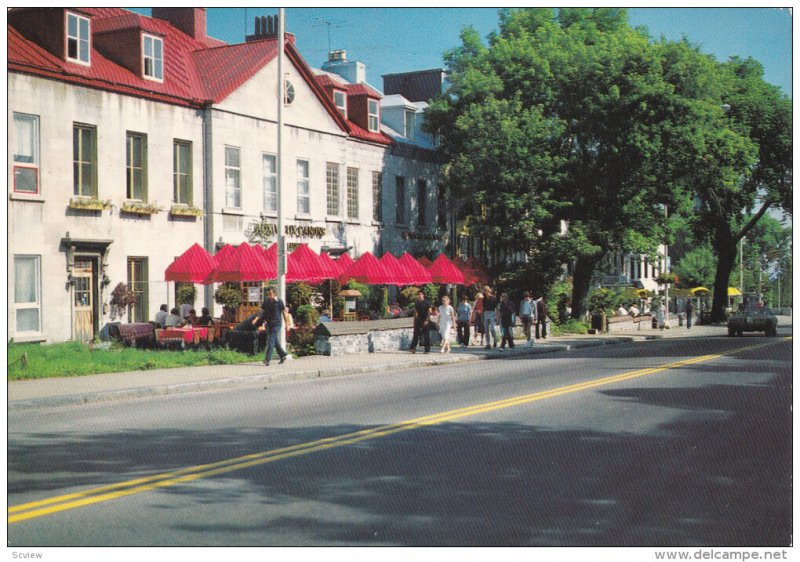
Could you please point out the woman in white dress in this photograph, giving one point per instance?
(447, 319)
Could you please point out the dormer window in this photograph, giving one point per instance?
(410, 124)
(374, 117)
(78, 39)
(340, 100)
(152, 58)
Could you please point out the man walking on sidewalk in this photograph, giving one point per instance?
(489, 316)
(689, 314)
(422, 311)
(541, 317)
(273, 311)
(464, 313)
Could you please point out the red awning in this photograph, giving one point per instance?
(306, 266)
(344, 261)
(442, 270)
(246, 263)
(223, 253)
(192, 266)
(368, 270)
(332, 266)
(426, 263)
(471, 276)
(418, 273)
(400, 276)
(479, 270)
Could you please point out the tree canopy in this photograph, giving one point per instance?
(572, 115)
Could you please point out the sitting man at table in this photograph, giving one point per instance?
(173, 320)
(205, 318)
(161, 315)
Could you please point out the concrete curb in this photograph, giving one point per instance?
(267, 378)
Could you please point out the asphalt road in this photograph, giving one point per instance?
(661, 443)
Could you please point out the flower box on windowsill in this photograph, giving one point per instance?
(135, 208)
(185, 211)
(87, 204)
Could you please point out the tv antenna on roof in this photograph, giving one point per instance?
(330, 25)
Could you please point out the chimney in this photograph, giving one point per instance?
(354, 72)
(266, 28)
(192, 21)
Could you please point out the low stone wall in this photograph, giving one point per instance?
(344, 338)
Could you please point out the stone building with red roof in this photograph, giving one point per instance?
(133, 137)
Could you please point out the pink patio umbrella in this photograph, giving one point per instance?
(442, 270)
(331, 265)
(368, 270)
(246, 263)
(400, 276)
(426, 263)
(418, 274)
(306, 266)
(344, 261)
(480, 271)
(192, 266)
(223, 253)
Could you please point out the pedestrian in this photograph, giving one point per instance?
(527, 312)
(689, 314)
(541, 317)
(489, 316)
(422, 313)
(463, 316)
(507, 312)
(477, 316)
(273, 316)
(447, 319)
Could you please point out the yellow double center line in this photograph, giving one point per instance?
(65, 502)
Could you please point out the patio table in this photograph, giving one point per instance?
(188, 334)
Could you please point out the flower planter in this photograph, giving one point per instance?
(139, 209)
(89, 204)
(182, 211)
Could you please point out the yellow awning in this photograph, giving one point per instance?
(734, 292)
(699, 291)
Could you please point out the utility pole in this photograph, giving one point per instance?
(666, 270)
(279, 165)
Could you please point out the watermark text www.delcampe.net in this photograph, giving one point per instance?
(711, 554)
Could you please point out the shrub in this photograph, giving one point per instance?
(407, 297)
(228, 295)
(431, 291)
(298, 294)
(306, 315)
(302, 340)
(570, 327)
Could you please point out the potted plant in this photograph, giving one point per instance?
(601, 302)
(122, 298)
(229, 295)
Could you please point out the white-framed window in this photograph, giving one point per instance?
(233, 178)
(270, 183)
(182, 171)
(78, 39)
(332, 188)
(27, 294)
(303, 188)
(152, 57)
(340, 100)
(26, 153)
(410, 123)
(352, 193)
(374, 116)
(136, 166)
(377, 196)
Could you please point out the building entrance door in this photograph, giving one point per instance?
(84, 305)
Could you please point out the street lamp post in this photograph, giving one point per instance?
(279, 169)
(666, 270)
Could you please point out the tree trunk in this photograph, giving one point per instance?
(727, 259)
(581, 279)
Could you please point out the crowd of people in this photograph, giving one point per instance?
(479, 321)
(183, 316)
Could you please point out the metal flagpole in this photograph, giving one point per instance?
(280, 237)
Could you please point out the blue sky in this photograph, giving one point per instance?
(390, 40)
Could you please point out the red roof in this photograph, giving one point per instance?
(194, 72)
(192, 266)
(442, 270)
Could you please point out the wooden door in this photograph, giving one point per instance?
(83, 299)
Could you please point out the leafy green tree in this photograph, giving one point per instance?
(696, 268)
(564, 116)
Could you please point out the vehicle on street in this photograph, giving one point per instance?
(753, 316)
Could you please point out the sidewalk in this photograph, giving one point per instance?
(61, 391)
